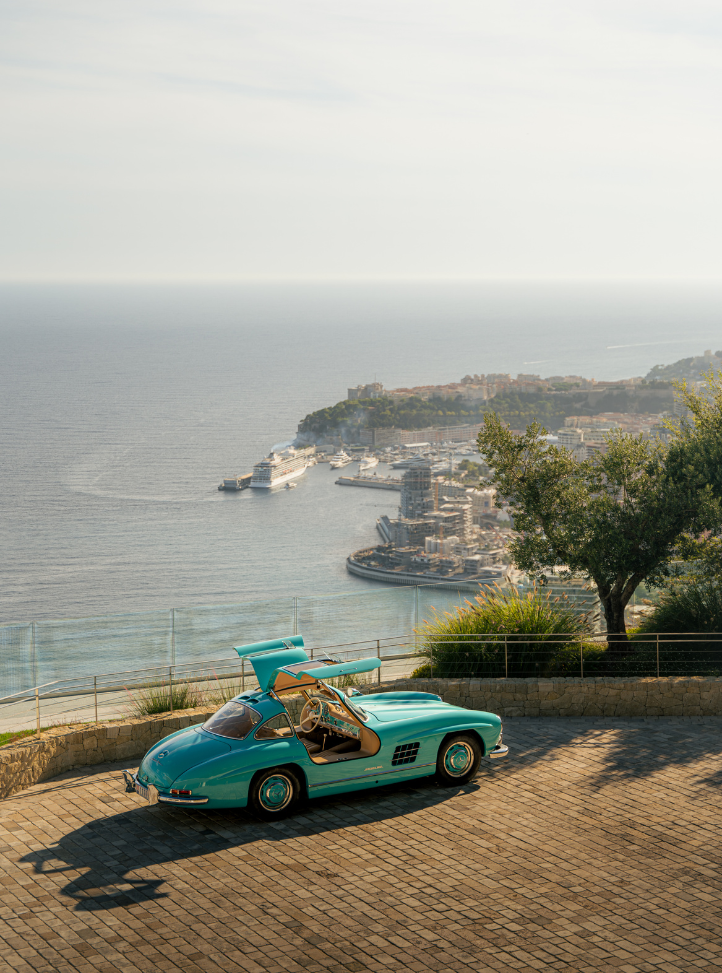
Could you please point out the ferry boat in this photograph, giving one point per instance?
(278, 468)
(340, 459)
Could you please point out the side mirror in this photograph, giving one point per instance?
(354, 692)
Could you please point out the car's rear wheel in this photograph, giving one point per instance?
(458, 760)
(274, 793)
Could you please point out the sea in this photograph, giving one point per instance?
(123, 405)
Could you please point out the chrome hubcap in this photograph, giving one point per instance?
(459, 757)
(276, 792)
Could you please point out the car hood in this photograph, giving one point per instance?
(174, 756)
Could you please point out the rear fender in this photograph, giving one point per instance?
(232, 773)
(298, 770)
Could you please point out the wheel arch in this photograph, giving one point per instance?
(288, 765)
(469, 730)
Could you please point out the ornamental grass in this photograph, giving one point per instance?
(502, 633)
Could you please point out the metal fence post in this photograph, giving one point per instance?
(243, 675)
(33, 656)
(506, 659)
(431, 651)
(170, 680)
(37, 708)
(657, 655)
(295, 615)
(95, 695)
(581, 656)
(172, 636)
(416, 607)
(378, 656)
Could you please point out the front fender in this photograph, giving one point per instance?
(487, 733)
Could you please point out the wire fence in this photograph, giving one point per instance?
(520, 656)
(133, 692)
(165, 689)
(38, 652)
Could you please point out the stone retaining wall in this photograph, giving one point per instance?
(597, 696)
(65, 748)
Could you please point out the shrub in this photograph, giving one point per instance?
(150, 700)
(692, 607)
(501, 632)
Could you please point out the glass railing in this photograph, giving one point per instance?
(35, 653)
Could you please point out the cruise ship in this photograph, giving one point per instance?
(278, 468)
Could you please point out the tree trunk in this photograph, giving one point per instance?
(613, 605)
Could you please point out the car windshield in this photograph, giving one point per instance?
(233, 720)
(356, 710)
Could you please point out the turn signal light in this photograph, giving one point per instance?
(181, 793)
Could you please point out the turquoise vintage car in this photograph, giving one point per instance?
(250, 753)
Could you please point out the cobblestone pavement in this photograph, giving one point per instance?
(597, 846)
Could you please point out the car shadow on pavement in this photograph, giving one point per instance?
(107, 851)
(101, 856)
(618, 749)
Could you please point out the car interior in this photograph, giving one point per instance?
(330, 729)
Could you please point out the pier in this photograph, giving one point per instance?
(375, 482)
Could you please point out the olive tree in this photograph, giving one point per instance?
(696, 451)
(615, 518)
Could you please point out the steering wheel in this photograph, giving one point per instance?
(310, 715)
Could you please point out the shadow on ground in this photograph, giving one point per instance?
(108, 850)
(624, 749)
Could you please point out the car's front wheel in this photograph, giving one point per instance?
(274, 793)
(458, 760)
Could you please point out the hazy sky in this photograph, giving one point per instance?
(463, 138)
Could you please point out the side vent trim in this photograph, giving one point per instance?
(406, 753)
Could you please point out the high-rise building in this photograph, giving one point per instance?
(416, 498)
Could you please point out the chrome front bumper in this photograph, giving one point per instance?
(499, 751)
(152, 795)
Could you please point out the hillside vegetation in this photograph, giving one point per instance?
(413, 413)
(689, 369)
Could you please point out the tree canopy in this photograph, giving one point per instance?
(615, 518)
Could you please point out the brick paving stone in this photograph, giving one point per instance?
(596, 847)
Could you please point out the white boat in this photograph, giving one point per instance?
(411, 464)
(368, 463)
(340, 459)
(291, 486)
(278, 468)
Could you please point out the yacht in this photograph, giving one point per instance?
(411, 464)
(340, 459)
(368, 463)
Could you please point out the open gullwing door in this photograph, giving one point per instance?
(267, 657)
(299, 675)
